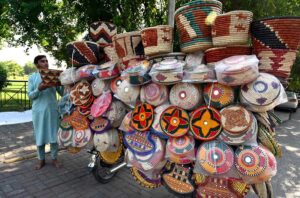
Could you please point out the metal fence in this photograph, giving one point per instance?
(14, 96)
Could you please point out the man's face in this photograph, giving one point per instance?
(42, 63)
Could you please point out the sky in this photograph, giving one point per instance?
(18, 55)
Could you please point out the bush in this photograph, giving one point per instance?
(295, 76)
(3, 77)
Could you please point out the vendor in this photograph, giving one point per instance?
(45, 115)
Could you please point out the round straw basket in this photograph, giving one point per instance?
(194, 33)
(231, 28)
(157, 40)
(216, 54)
(276, 33)
(278, 62)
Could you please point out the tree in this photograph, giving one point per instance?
(3, 77)
(12, 68)
(29, 68)
(52, 24)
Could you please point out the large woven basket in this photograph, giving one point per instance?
(231, 28)
(157, 40)
(83, 53)
(277, 62)
(216, 54)
(101, 32)
(276, 33)
(128, 46)
(190, 19)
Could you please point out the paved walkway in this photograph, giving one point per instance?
(18, 179)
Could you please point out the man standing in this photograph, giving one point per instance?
(45, 115)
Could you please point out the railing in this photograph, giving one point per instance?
(14, 96)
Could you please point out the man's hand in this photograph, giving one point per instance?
(42, 87)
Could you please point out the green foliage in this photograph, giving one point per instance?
(12, 68)
(3, 77)
(295, 77)
(52, 24)
(5, 25)
(29, 68)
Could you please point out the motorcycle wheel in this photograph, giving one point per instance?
(102, 173)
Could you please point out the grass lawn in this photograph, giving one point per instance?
(14, 96)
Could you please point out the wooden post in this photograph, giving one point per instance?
(171, 10)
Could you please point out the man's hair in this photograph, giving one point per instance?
(37, 58)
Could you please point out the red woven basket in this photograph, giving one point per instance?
(157, 40)
(231, 28)
(277, 62)
(276, 33)
(216, 54)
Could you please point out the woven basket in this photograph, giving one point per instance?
(190, 19)
(216, 54)
(276, 33)
(157, 40)
(128, 46)
(83, 53)
(50, 77)
(277, 62)
(101, 32)
(231, 28)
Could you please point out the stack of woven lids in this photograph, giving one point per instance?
(94, 116)
(275, 42)
(193, 120)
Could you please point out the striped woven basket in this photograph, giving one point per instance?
(83, 53)
(277, 62)
(128, 46)
(190, 19)
(101, 32)
(216, 54)
(231, 28)
(276, 33)
(157, 40)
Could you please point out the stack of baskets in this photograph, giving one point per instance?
(275, 42)
(171, 126)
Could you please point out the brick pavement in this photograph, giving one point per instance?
(73, 180)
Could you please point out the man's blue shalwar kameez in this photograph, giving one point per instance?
(45, 115)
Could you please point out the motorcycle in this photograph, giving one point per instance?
(102, 171)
